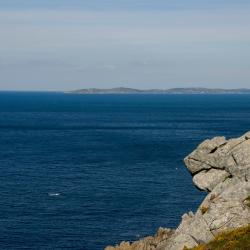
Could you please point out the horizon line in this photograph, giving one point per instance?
(121, 87)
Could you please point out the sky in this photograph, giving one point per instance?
(74, 44)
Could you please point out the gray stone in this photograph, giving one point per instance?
(207, 180)
(178, 242)
(196, 227)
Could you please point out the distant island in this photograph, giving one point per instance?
(122, 90)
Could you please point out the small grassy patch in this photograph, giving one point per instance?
(204, 209)
(247, 201)
(238, 239)
(212, 197)
(227, 177)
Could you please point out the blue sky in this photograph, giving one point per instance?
(121, 4)
(71, 44)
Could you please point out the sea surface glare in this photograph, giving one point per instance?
(86, 171)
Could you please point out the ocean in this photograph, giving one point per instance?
(86, 171)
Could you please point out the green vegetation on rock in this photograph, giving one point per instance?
(247, 201)
(204, 209)
(238, 239)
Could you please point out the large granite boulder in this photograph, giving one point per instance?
(233, 156)
(222, 168)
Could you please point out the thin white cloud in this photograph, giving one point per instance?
(135, 46)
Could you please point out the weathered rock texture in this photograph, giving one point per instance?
(222, 168)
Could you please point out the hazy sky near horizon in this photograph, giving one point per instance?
(71, 44)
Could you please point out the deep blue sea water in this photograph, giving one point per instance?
(85, 171)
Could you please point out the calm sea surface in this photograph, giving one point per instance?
(85, 171)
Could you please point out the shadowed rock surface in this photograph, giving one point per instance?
(222, 168)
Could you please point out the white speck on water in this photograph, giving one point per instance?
(54, 194)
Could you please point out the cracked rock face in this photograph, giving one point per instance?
(222, 168)
(215, 160)
(208, 179)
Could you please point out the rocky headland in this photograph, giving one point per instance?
(220, 167)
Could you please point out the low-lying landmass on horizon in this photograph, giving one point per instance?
(122, 90)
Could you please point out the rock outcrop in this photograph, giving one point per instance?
(222, 168)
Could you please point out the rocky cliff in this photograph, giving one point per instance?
(222, 168)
